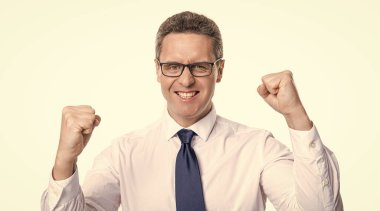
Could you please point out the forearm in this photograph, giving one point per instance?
(298, 120)
(316, 173)
(63, 169)
(67, 193)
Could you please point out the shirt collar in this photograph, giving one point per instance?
(202, 128)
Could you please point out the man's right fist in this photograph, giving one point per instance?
(77, 125)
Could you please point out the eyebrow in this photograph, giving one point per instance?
(176, 62)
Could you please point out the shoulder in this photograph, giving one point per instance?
(232, 132)
(257, 140)
(139, 135)
(236, 128)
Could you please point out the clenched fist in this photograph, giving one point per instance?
(279, 91)
(78, 123)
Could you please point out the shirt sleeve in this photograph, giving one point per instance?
(307, 179)
(100, 190)
(63, 194)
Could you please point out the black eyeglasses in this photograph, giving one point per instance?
(199, 69)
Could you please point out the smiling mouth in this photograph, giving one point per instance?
(186, 95)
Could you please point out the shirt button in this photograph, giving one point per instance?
(312, 145)
(325, 182)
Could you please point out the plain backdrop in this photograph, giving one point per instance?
(57, 53)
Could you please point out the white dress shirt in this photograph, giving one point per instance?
(240, 168)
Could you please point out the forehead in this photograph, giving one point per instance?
(187, 46)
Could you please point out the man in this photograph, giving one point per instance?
(193, 159)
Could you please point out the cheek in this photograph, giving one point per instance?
(209, 86)
(164, 91)
(165, 84)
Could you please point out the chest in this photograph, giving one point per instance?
(230, 178)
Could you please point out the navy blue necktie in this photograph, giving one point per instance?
(188, 185)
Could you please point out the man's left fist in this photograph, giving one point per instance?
(279, 91)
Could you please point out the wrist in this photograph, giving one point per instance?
(63, 167)
(299, 120)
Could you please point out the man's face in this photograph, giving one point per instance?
(188, 97)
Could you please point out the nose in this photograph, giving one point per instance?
(186, 79)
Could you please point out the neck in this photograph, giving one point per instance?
(188, 121)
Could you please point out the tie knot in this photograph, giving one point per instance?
(185, 135)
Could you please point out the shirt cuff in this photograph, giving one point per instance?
(306, 144)
(63, 191)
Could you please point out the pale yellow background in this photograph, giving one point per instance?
(57, 53)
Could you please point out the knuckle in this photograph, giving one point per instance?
(264, 78)
(88, 122)
(288, 72)
(70, 123)
(66, 109)
(88, 108)
(66, 115)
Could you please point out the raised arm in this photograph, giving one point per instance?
(77, 125)
(308, 179)
(64, 191)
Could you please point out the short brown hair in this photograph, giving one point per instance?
(190, 22)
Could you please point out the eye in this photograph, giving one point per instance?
(201, 67)
(172, 67)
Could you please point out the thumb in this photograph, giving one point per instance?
(95, 124)
(267, 96)
(97, 120)
(263, 91)
(88, 133)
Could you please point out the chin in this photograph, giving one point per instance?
(189, 114)
(194, 113)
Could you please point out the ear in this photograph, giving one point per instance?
(220, 69)
(158, 72)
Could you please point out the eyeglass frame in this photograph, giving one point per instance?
(188, 66)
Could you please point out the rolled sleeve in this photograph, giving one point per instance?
(316, 162)
(63, 191)
(306, 144)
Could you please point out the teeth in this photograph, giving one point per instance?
(186, 95)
